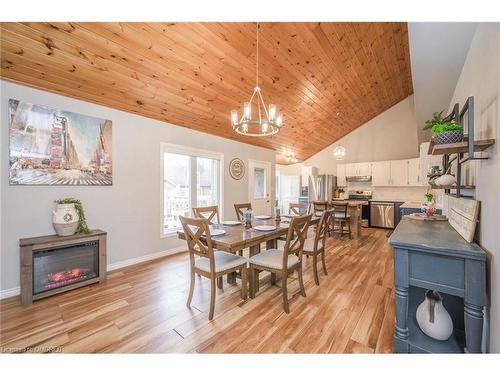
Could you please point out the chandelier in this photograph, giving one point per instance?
(339, 153)
(268, 121)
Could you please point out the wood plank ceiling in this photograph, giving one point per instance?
(326, 78)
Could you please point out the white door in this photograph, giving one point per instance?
(399, 172)
(381, 173)
(414, 172)
(259, 189)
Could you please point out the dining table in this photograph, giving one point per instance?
(239, 237)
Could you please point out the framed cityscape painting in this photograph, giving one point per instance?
(55, 147)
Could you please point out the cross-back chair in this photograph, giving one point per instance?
(204, 261)
(240, 209)
(296, 208)
(283, 262)
(316, 247)
(319, 207)
(341, 217)
(207, 213)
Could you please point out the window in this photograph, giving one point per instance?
(259, 183)
(190, 178)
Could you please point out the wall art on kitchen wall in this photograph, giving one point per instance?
(56, 147)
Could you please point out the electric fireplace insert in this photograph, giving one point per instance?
(53, 264)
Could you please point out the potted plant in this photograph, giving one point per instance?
(428, 207)
(69, 217)
(444, 131)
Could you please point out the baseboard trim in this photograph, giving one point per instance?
(145, 258)
(12, 292)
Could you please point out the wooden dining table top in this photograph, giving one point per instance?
(237, 237)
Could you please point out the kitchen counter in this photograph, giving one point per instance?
(411, 204)
(351, 202)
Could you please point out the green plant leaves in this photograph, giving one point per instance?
(438, 125)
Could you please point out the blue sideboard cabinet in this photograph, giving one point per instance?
(432, 255)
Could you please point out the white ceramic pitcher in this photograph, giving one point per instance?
(65, 219)
(433, 318)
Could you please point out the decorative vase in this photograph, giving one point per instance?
(450, 136)
(432, 317)
(428, 208)
(65, 219)
(446, 180)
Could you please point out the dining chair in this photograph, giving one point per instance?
(282, 262)
(241, 208)
(296, 208)
(206, 262)
(319, 207)
(316, 246)
(341, 216)
(207, 213)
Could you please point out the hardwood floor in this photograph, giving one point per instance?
(142, 309)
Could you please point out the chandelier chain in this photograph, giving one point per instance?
(257, 56)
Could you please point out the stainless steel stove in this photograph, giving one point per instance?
(362, 195)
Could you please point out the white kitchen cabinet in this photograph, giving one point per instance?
(341, 175)
(414, 172)
(358, 169)
(399, 173)
(351, 169)
(364, 169)
(305, 173)
(381, 173)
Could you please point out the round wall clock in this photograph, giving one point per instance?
(237, 169)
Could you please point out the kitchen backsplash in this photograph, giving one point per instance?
(396, 193)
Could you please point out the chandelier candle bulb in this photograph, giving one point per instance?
(279, 120)
(272, 111)
(248, 110)
(234, 117)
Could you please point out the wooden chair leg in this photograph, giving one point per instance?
(349, 228)
(301, 281)
(273, 278)
(244, 282)
(256, 282)
(251, 281)
(212, 299)
(191, 289)
(284, 291)
(323, 261)
(219, 282)
(341, 228)
(315, 268)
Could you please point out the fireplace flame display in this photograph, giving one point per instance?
(58, 279)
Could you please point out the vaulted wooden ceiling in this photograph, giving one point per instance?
(326, 78)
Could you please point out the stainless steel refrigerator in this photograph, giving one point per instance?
(321, 187)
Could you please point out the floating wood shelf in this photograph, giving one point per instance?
(453, 148)
(452, 186)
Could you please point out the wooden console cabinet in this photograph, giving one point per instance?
(432, 255)
(31, 246)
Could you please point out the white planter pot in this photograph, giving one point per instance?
(433, 318)
(65, 219)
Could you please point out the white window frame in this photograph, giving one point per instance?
(194, 152)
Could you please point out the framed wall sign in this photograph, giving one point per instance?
(237, 168)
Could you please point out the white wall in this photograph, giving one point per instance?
(480, 78)
(130, 209)
(391, 135)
